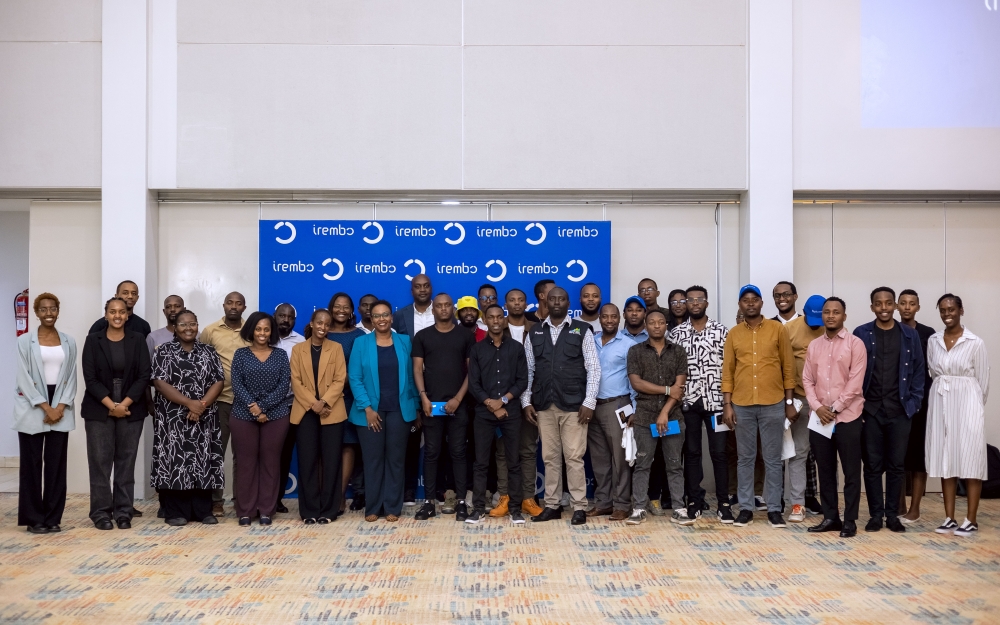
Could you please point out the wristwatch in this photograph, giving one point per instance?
(788, 402)
(504, 400)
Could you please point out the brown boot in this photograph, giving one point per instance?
(531, 507)
(501, 509)
(619, 515)
(599, 512)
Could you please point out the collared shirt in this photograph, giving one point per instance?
(290, 341)
(614, 365)
(157, 338)
(834, 374)
(361, 326)
(704, 356)
(638, 338)
(800, 335)
(590, 361)
(786, 321)
(495, 371)
(661, 369)
(422, 320)
(757, 364)
(226, 341)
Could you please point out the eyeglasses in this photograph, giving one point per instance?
(381, 315)
(678, 301)
(648, 289)
(48, 309)
(487, 298)
(786, 295)
(697, 300)
(182, 326)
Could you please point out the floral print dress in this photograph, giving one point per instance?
(186, 454)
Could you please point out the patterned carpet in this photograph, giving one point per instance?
(441, 571)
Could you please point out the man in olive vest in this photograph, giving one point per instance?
(564, 373)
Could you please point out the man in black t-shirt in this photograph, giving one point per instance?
(440, 370)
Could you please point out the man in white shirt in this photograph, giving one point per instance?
(365, 311)
(590, 306)
(415, 317)
(785, 295)
(284, 319)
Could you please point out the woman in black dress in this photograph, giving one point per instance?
(187, 441)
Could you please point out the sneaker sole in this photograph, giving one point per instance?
(516, 522)
(685, 522)
(727, 521)
(473, 522)
(965, 534)
(791, 520)
(747, 524)
(941, 531)
(777, 525)
(630, 522)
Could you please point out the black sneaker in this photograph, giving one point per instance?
(409, 498)
(813, 506)
(476, 517)
(425, 512)
(725, 514)
(516, 518)
(461, 511)
(948, 526)
(966, 529)
(775, 519)
(744, 519)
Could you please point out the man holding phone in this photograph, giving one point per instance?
(440, 366)
(657, 371)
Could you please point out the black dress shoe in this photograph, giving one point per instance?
(827, 525)
(136, 512)
(850, 529)
(210, 520)
(548, 514)
(53, 528)
(323, 520)
(124, 524)
(309, 521)
(177, 522)
(161, 514)
(358, 503)
(265, 520)
(281, 508)
(104, 524)
(873, 525)
(895, 525)
(579, 518)
(38, 529)
(244, 521)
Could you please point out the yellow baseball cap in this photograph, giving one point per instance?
(466, 302)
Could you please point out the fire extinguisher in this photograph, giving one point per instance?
(21, 312)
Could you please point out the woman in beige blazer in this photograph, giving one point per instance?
(319, 373)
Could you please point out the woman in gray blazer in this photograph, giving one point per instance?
(43, 417)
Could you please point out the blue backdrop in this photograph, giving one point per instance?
(304, 262)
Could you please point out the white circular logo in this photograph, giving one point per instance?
(340, 268)
(290, 226)
(540, 227)
(461, 232)
(377, 225)
(582, 275)
(503, 270)
(412, 261)
(295, 484)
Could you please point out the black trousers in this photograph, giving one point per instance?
(286, 459)
(320, 464)
(884, 445)
(845, 442)
(193, 505)
(435, 428)
(41, 497)
(486, 427)
(385, 456)
(694, 417)
(411, 466)
(112, 447)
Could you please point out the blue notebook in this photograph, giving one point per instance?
(673, 427)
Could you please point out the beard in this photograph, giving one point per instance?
(591, 311)
(697, 317)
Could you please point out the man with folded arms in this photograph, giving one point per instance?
(833, 376)
(758, 380)
(612, 474)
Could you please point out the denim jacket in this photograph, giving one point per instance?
(912, 368)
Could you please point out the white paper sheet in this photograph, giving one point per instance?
(787, 443)
(718, 424)
(817, 426)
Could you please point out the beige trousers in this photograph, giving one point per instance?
(563, 435)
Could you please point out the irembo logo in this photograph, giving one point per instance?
(582, 275)
(296, 267)
(415, 231)
(496, 232)
(461, 269)
(418, 263)
(461, 232)
(340, 268)
(290, 226)
(577, 233)
(539, 240)
(543, 269)
(377, 226)
(333, 231)
(376, 268)
(503, 270)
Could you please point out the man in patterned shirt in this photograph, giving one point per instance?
(703, 339)
(564, 373)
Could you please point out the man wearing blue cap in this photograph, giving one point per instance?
(758, 383)
(801, 332)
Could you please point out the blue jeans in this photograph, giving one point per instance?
(770, 422)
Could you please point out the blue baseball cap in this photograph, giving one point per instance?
(749, 288)
(635, 298)
(813, 310)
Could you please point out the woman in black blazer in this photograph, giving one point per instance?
(116, 371)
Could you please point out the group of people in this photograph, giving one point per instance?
(482, 385)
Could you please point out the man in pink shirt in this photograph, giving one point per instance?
(833, 379)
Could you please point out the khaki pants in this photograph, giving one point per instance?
(563, 435)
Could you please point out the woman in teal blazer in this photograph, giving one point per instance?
(385, 402)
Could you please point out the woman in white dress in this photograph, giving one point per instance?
(956, 428)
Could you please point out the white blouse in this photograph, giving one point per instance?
(52, 361)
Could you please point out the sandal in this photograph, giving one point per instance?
(392, 518)
(371, 518)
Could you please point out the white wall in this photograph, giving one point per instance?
(849, 249)
(833, 151)
(449, 95)
(65, 259)
(50, 112)
(13, 280)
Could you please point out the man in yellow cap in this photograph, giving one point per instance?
(467, 309)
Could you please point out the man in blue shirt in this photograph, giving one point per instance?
(613, 489)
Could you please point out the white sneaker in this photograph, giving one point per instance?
(948, 526)
(968, 528)
(798, 514)
(638, 516)
(680, 517)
